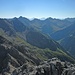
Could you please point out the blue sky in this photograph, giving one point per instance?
(37, 8)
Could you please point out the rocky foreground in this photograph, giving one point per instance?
(51, 67)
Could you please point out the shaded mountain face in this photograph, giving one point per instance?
(17, 25)
(25, 21)
(41, 41)
(69, 44)
(64, 33)
(66, 38)
(7, 27)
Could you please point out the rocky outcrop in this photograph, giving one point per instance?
(11, 58)
(51, 67)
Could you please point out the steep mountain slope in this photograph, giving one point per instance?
(25, 21)
(11, 57)
(69, 44)
(66, 37)
(14, 56)
(64, 33)
(7, 27)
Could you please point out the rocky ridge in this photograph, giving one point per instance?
(51, 67)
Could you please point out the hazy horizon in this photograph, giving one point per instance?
(42, 18)
(60, 9)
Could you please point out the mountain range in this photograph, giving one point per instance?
(24, 41)
(61, 30)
